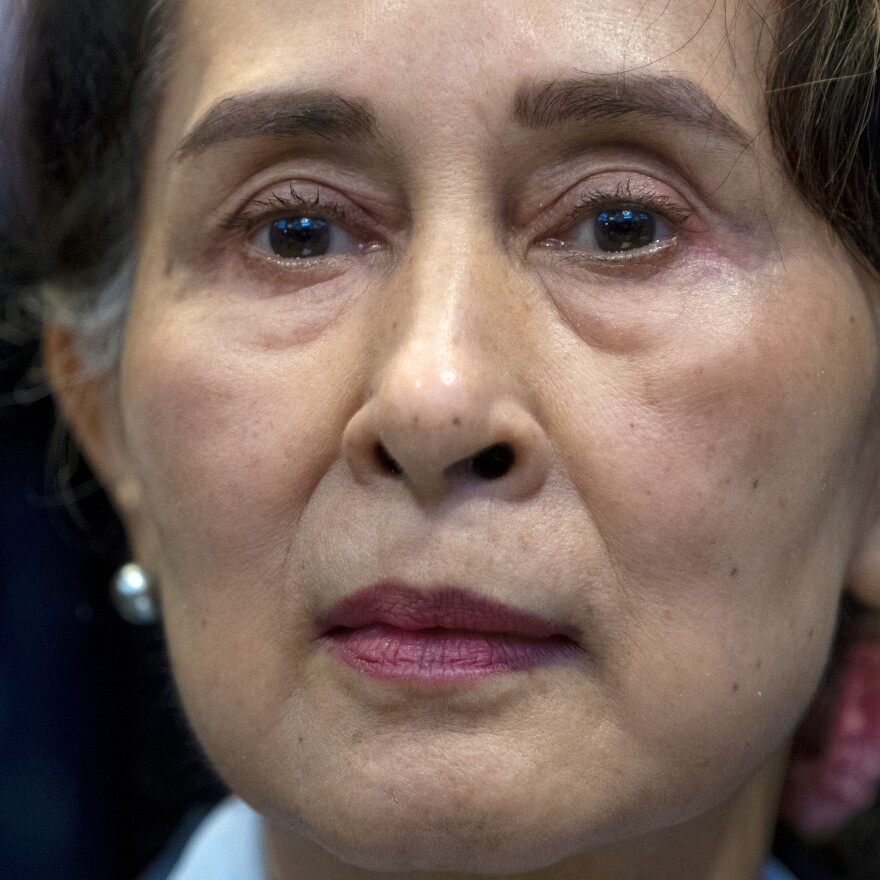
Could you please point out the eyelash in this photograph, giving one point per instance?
(624, 196)
(262, 211)
(274, 207)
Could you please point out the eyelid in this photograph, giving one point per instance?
(248, 223)
(305, 198)
(625, 194)
(619, 190)
(264, 209)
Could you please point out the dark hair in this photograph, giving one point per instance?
(823, 107)
(90, 74)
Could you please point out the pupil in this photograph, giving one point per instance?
(625, 229)
(295, 238)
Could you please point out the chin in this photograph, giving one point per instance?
(459, 844)
(453, 831)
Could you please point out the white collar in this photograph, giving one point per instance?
(228, 845)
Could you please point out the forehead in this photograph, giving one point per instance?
(420, 61)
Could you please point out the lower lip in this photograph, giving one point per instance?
(440, 655)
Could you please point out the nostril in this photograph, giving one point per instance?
(494, 461)
(385, 460)
(491, 464)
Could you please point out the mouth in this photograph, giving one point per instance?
(396, 632)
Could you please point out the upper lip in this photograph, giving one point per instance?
(406, 607)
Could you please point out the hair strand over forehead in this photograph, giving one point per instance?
(823, 112)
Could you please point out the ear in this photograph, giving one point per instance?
(863, 575)
(90, 406)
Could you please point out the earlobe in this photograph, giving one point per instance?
(863, 575)
(90, 407)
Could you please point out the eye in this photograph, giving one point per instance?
(620, 228)
(302, 237)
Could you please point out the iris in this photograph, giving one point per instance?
(293, 238)
(625, 229)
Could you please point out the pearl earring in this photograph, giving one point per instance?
(135, 595)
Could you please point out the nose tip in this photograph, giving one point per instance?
(497, 449)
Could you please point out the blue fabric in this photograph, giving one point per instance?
(775, 870)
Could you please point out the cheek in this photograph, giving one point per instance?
(732, 441)
(721, 469)
(229, 442)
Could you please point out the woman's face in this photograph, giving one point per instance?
(382, 237)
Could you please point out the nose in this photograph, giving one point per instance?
(449, 411)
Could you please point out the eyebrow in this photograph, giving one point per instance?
(275, 114)
(582, 100)
(612, 97)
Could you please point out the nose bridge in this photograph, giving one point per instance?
(450, 358)
(441, 347)
(453, 275)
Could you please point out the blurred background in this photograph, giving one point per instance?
(98, 768)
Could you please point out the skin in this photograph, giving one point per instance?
(695, 456)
